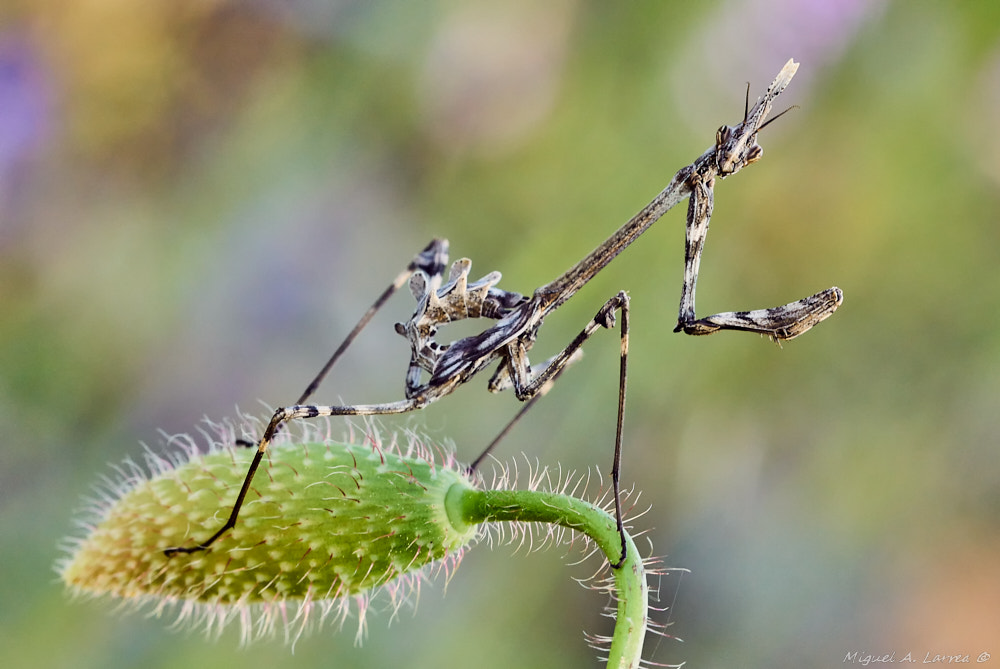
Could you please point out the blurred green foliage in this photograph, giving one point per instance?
(197, 199)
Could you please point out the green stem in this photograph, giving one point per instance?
(468, 506)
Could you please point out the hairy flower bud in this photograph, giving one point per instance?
(324, 524)
(321, 521)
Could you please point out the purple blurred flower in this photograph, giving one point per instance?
(749, 40)
(25, 114)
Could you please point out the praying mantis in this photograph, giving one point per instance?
(436, 370)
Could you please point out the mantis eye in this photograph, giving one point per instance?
(722, 135)
(754, 154)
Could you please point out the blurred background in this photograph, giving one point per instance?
(199, 198)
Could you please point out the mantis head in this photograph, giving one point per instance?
(736, 146)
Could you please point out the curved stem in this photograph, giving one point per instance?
(469, 506)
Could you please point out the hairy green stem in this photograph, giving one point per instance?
(466, 506)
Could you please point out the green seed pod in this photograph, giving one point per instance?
(325, 524)
(322, 521)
